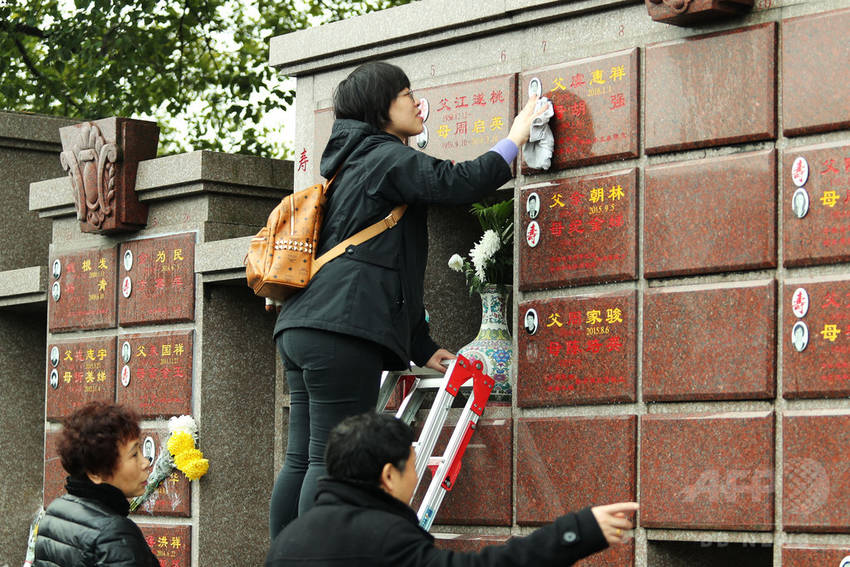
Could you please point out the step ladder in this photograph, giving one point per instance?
(461, 373)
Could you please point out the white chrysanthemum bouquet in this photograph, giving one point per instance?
(491, 259)
(180, 453)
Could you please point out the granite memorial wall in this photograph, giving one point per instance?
(681, 276)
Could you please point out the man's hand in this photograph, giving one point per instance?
(435, 362)
(612, 520)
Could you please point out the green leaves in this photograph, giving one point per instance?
(197, 67)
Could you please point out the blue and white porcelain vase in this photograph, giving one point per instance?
(493, 345)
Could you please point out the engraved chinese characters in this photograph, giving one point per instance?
(596, 108)
(84, 371)
(82, 292)
(160, 284)
(156, 380)
(816, 204)
(816, 338)
(583, 351)
(172, 545)
(584, 230)
(464, 120)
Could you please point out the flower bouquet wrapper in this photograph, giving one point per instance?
(163, 466)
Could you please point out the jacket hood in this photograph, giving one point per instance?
(346, 136)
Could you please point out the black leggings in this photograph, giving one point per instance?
(331, 376)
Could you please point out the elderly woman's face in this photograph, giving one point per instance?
(405, 120)
(131, 471)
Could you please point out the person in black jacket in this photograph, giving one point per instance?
(363, 312)
(99, 448)
(362, 517)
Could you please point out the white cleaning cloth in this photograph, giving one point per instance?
(537, 152)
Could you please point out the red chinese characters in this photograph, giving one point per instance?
(577, 350)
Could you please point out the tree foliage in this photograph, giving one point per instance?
(197, 67)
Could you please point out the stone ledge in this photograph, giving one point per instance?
(32, 131)
(180, 175)
(413, 27)
(23, 286)
(222, 260)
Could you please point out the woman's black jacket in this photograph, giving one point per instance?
(89, 527)
(375, 290)
(353, 525)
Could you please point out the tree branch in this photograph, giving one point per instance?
(41, 78)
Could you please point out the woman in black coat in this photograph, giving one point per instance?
(88, 526)
(363, 312)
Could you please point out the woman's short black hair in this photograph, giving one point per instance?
(366, 94)
(91, 435)
(360, 446)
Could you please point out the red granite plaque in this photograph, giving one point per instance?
(577, 350)
(464, 120)
(709, 471)
(84, 371)
(596, 108)
(692, 342)
(155, 373)
(816, 338)
(173, 497)
(556, 460)
(815, 473)
(467, 543)
(482, 494)
(711, 90)
(81, 292)
(172, 544)
(323, 121)
(816, 204)
(579, 230)
(814, 555)
(54, 473)
(814, 53)
(710, 215)
(157, 280)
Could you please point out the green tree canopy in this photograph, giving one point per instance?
(197, 67)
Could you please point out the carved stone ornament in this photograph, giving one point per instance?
(695, 12)
(91, 165)
(101, 159)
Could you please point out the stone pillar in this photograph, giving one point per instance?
(162, 320)
(29, 149)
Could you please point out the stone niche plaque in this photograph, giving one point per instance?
(814, 53)
(577, 350)
(814, 555)
(579, 230)
(711, 90)
(464, 120)
(81, 290)
(84, 371)
(692, 338)
(172, 544)
(816, 339)
(815, 475)
(596, 108)
(155, 373)
(101, 158)
(816, 204)
(710, 215)
(173, 497)
(157, 280)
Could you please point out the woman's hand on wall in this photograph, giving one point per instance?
(521, 127)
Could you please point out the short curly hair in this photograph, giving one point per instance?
(91, 436)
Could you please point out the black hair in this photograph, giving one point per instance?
(360, 446)
(367, 93)
(91, 436)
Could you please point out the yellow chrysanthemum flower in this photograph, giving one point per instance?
(184, 458)
(196, 468)
(180, 442)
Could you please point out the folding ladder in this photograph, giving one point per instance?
(445, 468)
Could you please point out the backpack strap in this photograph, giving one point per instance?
(372, 231)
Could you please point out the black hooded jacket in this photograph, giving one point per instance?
(375, 290)
(355, 525)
